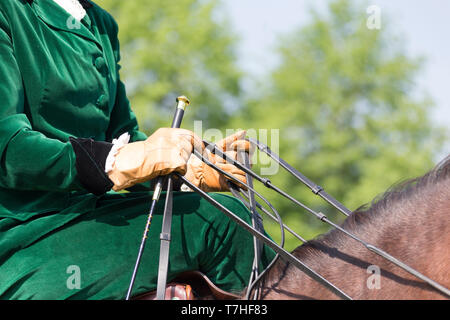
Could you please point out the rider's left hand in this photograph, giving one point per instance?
(210, 180)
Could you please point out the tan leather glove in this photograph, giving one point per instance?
(165, 151)
(233, 144)
(210, 180)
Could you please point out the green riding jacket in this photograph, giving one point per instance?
(60, 80)
(66, 85)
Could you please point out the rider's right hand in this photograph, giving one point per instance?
(165, 151)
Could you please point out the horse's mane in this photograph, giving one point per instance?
(411, 214)
(410, 188)
(401, 205)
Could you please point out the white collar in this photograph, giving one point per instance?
(73, 7)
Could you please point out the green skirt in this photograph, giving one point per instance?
(91, 255)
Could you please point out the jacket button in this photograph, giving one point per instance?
(100, 63)
(102, 101)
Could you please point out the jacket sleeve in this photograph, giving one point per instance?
(122, 118)
(28, 159)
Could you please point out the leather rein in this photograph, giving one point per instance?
(247, 194)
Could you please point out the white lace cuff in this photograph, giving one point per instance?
(185, 188)
(117, 145)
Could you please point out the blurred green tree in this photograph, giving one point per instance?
(343, 96)
(349, 113)
(176, 47)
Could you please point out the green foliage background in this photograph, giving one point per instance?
(343, 97)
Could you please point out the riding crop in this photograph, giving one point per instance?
(182, 103)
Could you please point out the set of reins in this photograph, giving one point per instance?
(247, 194)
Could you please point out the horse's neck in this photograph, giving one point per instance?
(415, 232)
(285, 281)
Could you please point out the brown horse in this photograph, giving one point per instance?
(411, 222)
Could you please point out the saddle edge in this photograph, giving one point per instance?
(191, 285)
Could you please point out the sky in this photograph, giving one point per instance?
(425, 26)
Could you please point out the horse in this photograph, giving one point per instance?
(411, 221)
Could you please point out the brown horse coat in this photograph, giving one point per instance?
(411, 222)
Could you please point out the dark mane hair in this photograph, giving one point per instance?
(407, 190)
(387, 213)
(410, 221)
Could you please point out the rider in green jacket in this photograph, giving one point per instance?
(61, 106)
